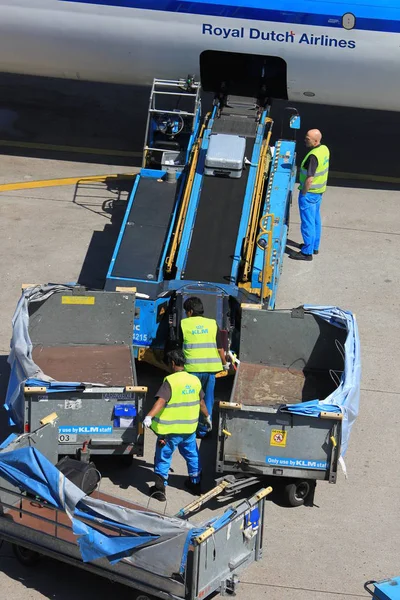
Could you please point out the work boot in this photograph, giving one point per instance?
(193, 488)
(300, 256)
(159, 491)
(302, 246)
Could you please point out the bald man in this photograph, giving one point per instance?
(313, 179)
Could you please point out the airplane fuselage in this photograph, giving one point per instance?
(341, 53)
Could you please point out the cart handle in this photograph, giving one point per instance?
(366, 588)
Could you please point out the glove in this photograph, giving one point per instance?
(226, 366)
(209, 423)
(147, 421)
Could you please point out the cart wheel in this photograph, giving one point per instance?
(296, 492)
(25, 556)
(144, 597)
(126, 460)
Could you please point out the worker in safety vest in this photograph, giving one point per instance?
(204, 354)
(313, 179)
(174, 418)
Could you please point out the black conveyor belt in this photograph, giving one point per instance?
(216, 227)
(143, 240)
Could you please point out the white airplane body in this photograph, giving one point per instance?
(340, 53)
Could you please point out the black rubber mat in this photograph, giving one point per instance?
(216, 227)
(146, 229)
(240, 125)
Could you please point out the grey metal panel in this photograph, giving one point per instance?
(275, 338)
(226, 553)
(108, 321)
(253, 449)
(92, 408)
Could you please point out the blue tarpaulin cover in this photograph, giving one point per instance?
(150, 540)
(346, 397)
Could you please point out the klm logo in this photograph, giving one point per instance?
(326, 161)
(188, 390)
(199, 330)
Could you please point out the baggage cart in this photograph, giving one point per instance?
(84, 369)
(225, 155)
(277, 422)
(157, 555)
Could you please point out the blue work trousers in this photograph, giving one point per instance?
(309, 207)
(186, 444)
(208, 386)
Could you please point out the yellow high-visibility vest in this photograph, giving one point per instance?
(199, 345)
(320, 178)
(181, 414)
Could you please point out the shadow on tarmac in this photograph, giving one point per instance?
(112, 206)
(112, 117)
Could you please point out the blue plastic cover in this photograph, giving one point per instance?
(127, 411)
(346, 397)
(152, 541)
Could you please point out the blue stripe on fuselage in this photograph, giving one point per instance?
(369, 17)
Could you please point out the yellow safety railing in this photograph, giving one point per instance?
(252, 225)
(177, 235)
(266, 233)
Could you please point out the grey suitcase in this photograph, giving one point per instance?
(225, 155)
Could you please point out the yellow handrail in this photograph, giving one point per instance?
(177, 235)
(266, 274)
(255, 207)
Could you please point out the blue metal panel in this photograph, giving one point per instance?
(280, 184)
(388, 589)
(248, 196)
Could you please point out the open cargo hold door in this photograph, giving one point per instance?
(238, 74)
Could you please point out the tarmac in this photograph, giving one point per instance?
(65, 231)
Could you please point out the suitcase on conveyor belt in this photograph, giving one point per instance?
(225, 155)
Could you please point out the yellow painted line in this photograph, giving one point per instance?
(74, 149)
(364, 177)
(42, 183)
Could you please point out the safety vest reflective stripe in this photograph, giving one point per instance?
(317, 173)
(316, 186)
(320, 177)
(165, 422)
(179, 404)
(199, 345)
(196, 361)
(181, 414)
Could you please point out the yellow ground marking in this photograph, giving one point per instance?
(42, 183)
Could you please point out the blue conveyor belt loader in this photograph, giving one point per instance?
(208, 214)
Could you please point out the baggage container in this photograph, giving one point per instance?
(279, 421)
(159, 556)
(225, 155)
(80, 366)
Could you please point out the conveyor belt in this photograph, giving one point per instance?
(216, 228)
(144, 236)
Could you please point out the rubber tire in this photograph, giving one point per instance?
(296, 492)
(26, 557)
(126, 460)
